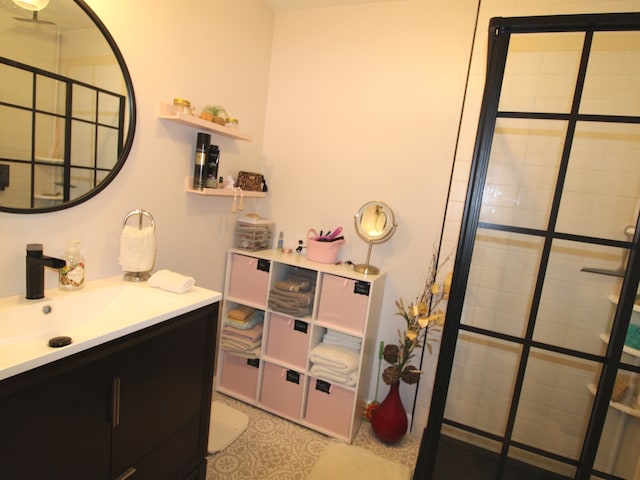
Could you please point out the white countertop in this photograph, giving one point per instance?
(120, 308)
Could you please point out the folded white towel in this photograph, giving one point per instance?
(325, 373)
(341, 359)
(171, 281)
(137, 249)
(342, 339)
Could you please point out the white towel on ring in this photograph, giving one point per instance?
(137, 249)
(171, 281)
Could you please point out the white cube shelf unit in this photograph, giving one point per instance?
(281, 381)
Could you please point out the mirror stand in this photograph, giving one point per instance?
(374, 223)
(365, 267)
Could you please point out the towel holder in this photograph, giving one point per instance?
(141, 214)
(138, 276)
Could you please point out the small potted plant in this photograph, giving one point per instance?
(213, 113)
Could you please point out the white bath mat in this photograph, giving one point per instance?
(340, 460)
(226, 425)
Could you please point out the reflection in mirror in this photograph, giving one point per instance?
(67, 109)
(374, 223)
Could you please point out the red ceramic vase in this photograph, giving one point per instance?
(389, 420)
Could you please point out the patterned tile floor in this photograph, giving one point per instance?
(273, 448)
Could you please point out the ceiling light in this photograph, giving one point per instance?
(33, 5)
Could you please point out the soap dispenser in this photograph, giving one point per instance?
(72, 276)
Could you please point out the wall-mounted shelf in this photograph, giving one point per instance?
(626, 349)
(622, 407)
(634, 412)
(613, 299)
(166, 113)
(221, 192)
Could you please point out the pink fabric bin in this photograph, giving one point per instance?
(323, 252)
(247, 282)
(330, 410)
(239, 376)
(288, 341)
(279, 393)
(340, 305)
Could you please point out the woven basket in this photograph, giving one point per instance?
(323, 252)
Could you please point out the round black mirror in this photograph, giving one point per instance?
(67, 106)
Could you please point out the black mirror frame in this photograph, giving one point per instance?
(126, 148)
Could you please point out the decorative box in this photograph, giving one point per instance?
(254, 233)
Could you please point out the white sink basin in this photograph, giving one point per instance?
(42, 319)
(102, 311)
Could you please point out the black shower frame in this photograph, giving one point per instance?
(500, 30)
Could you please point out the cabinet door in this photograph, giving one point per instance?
(58, 428)
(164, 399)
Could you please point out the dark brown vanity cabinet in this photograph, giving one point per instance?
(137, 407)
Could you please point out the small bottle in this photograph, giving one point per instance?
(200, 167)
(72, 275)
(213, 160)
(221, 183)
(280, 242)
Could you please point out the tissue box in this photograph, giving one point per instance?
(254, 233)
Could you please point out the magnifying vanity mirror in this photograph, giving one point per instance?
(375, 223)
(67, 107)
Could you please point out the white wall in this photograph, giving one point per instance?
(206, 51)
(364, 102)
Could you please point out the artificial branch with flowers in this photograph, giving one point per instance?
(422, 317)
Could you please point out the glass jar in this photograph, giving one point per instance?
(182, 107)
(231, 123)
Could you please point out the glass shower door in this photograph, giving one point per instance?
(537, 376)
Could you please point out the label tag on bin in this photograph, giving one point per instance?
(362, 288)
(300, 326)
(323, 386)
(293, 376)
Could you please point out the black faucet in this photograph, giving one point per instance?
(36, 262)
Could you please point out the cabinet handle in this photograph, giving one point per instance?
(128, 474)
(115, 405)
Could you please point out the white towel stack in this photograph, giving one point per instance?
(336, 363)
(342, 339)
(137, 249)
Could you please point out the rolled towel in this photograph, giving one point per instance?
(291, 286)
(341, 359)
(171, 281)
(137, 249)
